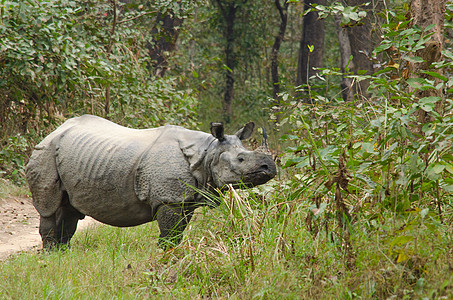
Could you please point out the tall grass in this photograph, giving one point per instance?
(256, 245)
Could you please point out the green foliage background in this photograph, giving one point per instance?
(56, 63)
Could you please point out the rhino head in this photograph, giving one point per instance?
(231, 163)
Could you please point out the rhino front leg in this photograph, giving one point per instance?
(172, 222)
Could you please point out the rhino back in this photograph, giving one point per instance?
(96, 161)
(98, 152)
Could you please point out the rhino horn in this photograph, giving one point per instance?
(265, 144)
(264, 148)
(217, 131)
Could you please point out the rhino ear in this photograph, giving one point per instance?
(217, 131)
(246, 131)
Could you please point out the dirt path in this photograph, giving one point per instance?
(19, 222)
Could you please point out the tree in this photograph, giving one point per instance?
(311, 44)
(65, 57)
(283, 12)
(361, 46)
(345, 61)
(164, 36)
(357, 39)
(228, 10)
(428, 15)
(167, 19)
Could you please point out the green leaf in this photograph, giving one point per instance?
(428, 103)
(408, 32)
(293, 161)
(449, 168)
(447, 157)
(383, 47)
(305, 162)
(433, 171)
(413, 59)
(420, 83)
(429, 27)
(402, 257)
(435, 74)
(438, 168)
(401, 240)
(366, 179)
(448, 188)
(389, 151)
(415, 83)
(289, 137)
(427, 107)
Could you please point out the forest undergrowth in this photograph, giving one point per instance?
(362, 208)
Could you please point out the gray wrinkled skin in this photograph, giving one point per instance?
(127, 177)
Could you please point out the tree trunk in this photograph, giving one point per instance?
(228, 10)
(283, 11)
(230, 60)
(164, 36)
(424, 13)
(361, 44)
(313, 37)
(345, 54)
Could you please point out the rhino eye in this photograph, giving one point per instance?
(240, 159)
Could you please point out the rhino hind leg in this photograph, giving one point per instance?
(47, 226)
(172, 222)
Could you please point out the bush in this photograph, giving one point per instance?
(364, 164)
(64, 58)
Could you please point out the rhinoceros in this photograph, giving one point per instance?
(126, 177)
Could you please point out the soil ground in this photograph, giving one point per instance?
(19, 224)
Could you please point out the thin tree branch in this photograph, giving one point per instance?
(282, 11)
(136, 17)
(222, 9)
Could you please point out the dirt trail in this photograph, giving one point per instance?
(19, 222)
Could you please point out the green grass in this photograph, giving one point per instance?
(8, 189)
(248, 248)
